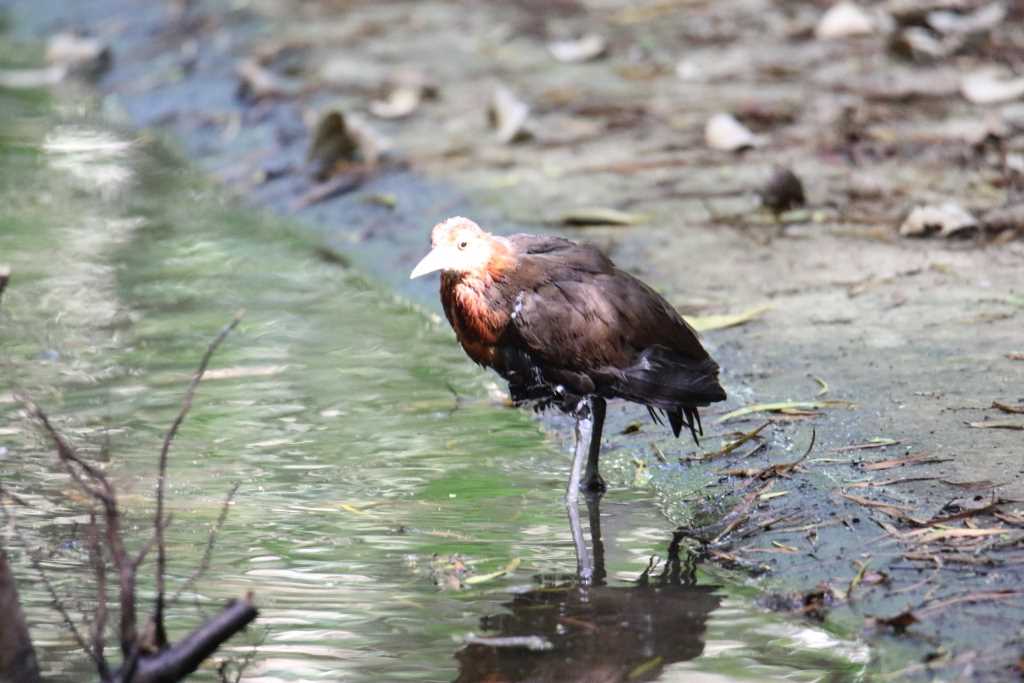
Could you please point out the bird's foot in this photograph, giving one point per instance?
(593, 483)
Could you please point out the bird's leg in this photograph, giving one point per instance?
(584, 427)
(592, 480)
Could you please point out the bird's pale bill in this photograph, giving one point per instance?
(438, 259)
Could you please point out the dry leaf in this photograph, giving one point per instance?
(842, 20)
(584, 49)
(997, 424)
(987, 87)
(919, 459)
(256, 82)
(890, 509)
(947, 220)
(898, 623)
(781, 406)
(877, 442)
(724, 132)
(400, 103)
(705, 323)
(507, 114)
(596, 215)
(1007, 408)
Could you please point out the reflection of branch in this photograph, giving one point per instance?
(5, 277)
(58, 605)
(99, 625)
(204, 563)
(95, 484)
(158, 520)
(149, 659)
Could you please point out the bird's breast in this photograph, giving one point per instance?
(478, 322)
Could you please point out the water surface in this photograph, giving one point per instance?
(378, 471)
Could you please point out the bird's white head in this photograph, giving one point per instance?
(458, 245)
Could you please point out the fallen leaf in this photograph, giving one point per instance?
(1007, 408)
(1015, 356)
(584, 49)
(843, 20)
(400, 103)
(80, 56)
(980, 20)
(778, 470)
(877, 442)
(706, 323)
(989, 87)
(257, 82)
(821, 383)
(890, 509)
(875, 483)
(733, 445)
(508, 115)
(981, 485)
(943, 534)
(898, 623)
(946, 220)
(997, 424)
(918, 459)
(781, 406)
(339, 140)
(724, 132)
(484, 578)
(596, 215)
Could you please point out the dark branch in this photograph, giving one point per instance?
(178, 661)
(5, 277)
(211, 541)
(17, 656)
(161, 484)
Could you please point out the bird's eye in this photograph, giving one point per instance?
(463, 244)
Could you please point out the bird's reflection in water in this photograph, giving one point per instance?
(582, 629)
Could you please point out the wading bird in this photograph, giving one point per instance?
(565, 327)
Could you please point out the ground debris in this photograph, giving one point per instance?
(843, 20)
(726, 133)
(1007, 408)
(898, 623)
(258, 82)
(598, 215)
(78, 56)
(891, 509)
(877, 442)
(945, 220)
(990, 86)
(783, 191)
(772, 471)
(707, 323)
(802, 408)
(731, 446)
(582, 49)
(508, 116)
(814, 604)
(338, 142)
(917, 459)
(997, 424)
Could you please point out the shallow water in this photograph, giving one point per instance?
(375, 467)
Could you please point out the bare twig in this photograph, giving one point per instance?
(211, 541)
(158, 521)
(102, 491)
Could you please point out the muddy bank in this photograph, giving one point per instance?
(893, 347)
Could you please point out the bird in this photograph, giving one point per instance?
(568, 329)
